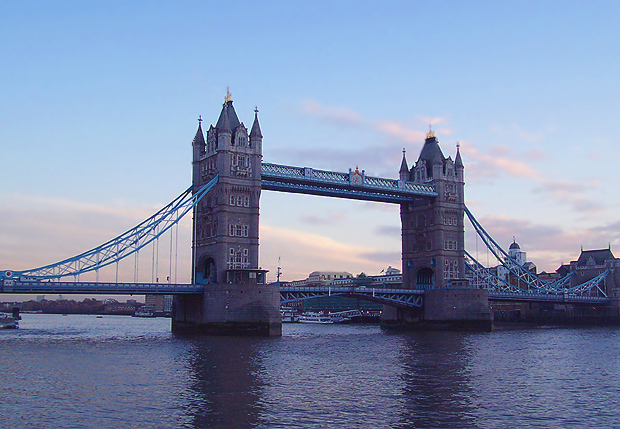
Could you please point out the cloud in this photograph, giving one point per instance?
(391, 231)
(338, 115)
(502, 160)
(571, 193)
(330, 219)
(400, 132)
(499, 159)
(547, 246)
(300, 250)
(383, 157)
(37, 231)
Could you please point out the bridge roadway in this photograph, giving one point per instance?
(353, 185)
(385, 295)
(87, 288)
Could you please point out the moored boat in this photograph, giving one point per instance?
(8, 322)
(289, 315)
(144, 313)
(321, 318)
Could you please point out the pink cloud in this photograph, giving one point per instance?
(547, 246)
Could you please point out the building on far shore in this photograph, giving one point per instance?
(160, 305)
(592, 263)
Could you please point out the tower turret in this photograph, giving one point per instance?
(256, 136)
(404, 169)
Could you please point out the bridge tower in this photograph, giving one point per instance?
(433, 248)
(225, 242)
(225, 234)
(433, 232)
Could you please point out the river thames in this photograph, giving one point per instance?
(122, 372)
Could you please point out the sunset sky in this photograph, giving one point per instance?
(99, 104)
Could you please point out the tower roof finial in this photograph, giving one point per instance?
(199, 118)
(228, 96)
(430, 133)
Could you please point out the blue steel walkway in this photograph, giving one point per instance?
(87, 288)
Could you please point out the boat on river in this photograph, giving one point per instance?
(8, 322)
(289, 315)
(321, 318)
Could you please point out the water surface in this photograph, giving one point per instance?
(112, 372)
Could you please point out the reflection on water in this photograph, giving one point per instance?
(225, 381)
(80, 371)
(437, 381)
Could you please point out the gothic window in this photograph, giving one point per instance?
(246, 201)
(231, 230)
(232, 200)
(245, 230)
(421, 221)
(239, 200)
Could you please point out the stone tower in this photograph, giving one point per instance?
(236, 299)
(433, 232)
(226, 226)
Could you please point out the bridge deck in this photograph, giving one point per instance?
(352, 185)
(40, 287)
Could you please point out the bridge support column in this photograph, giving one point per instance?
(230, 309)
(444, 309)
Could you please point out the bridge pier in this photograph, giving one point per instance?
(229, 309)
(444, 309)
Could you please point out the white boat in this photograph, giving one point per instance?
(315, 318)
(8, 322)
(289, 316)
(321, 318)
(144, 313)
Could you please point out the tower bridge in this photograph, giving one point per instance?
(228, 293)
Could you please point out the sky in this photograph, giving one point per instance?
(100, 100)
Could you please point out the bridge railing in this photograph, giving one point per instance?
(360, 180)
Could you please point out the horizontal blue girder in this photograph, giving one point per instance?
(546, 297)
(352, 185)
(324, 191)
(393, 297)
(42, 287)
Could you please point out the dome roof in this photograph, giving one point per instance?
(515, 246)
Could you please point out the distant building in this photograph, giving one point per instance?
(592, 263)
(391, 271)
(322, 278)
(159, 304)
(520, 257)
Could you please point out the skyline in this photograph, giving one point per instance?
(102, 100)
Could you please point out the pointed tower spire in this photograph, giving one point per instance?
(458, 161)
(199, 138)
(256, 126)
(223, 122)
(404, 169)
